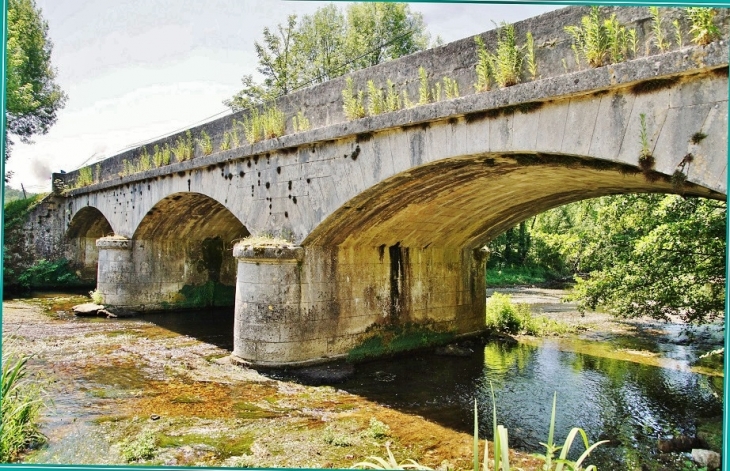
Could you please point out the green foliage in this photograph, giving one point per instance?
(391, 463)
(140, 448)
(300, 122)
(678, 33)
(601, 41)
(84, 178)
(531, 63)
(265, 125)
(21, 400)
(377, 429)
(96, 297)
(702, 28)
(353, 101)
(144, 162)
(225, 141)
(518, 275)
(184, 147)
(206, 146)
(658, 37)
(507, 62)
(562, 460)
(483, 67)
(505, 316)
(332, 436)
(392, 98)
(47, 274)
(376, 99)
(424, 92)
(33, 99)
(657, 256)
(451, 88)
(327, 44)
(161, 157)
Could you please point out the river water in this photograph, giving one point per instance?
(630, 389)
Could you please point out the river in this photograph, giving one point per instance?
(632, 383)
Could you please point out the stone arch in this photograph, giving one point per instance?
(86, 226)
(180, 256)
(464, 202)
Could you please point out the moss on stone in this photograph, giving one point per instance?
(389, 340)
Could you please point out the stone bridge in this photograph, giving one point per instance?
(325, 237)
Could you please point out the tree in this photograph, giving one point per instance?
(33, 98)
(328, 44)
(660, 256)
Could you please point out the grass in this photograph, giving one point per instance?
(140, 448)
(510, 276)
(21, 401)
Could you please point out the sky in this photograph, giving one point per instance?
(136, 70)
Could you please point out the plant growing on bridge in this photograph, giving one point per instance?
(84, 178)
(161, 157)
(392, 97)
(424, 92)
(483, 67)
(300, 122)
(658, 36)
(376, 99)
(598, 41)
(352, 101)
(702, 28)
(184, 147)
(678, 33)
(646, 160)
(530, 48)
(507, 62)
(144, 162)
(451, 88)
(205, 143)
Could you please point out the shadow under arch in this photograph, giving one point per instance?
(183, 246)
(87, 225)
(466, 201)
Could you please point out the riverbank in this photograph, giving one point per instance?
(112, 379)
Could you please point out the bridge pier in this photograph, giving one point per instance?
(116, 271)
(301, 305)
(148, 275)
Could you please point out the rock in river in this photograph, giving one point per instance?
(87, 309)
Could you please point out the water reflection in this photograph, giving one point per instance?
(628, 402)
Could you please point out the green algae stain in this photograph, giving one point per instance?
(224, 446)
(395, 339)
(209, 294)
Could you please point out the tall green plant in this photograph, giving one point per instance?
(659, 39)
(84, 178)
(206, 146)
(702, 28)
(20, 404)
(531, 62)
(507, 61)
(352, 101)
(376, 99)
(424, 92)
(483, 67)
(590, 39)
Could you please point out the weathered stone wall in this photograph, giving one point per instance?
(302, 305)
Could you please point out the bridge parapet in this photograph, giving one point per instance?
(323, 104)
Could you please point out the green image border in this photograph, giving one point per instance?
(662, 3)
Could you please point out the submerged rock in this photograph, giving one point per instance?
(87, 309)
(452, 350)
(324, 374)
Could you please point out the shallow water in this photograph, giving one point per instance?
(632, 390)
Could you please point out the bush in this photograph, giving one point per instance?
(141, 448)
(46, 274)
(505, 316)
